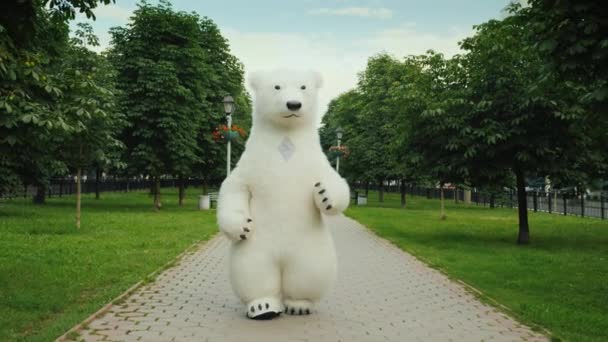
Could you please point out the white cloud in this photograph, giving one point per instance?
(114, 13)
(109, 15)
(364, 12)
(326, 53)
(260, 50)
(407, 40)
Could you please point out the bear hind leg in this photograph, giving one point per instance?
(256, 279)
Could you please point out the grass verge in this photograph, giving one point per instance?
(53, 276)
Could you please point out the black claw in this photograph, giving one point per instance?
(328, 207)
(260, 306)
(249, 220)
(293, 311)
(267, 306)
(286, 308)
(300, 311)
(322, 192)
(308, 311)
(246, 229)
(325, 199)
(318, 184)
(243, 237)
(266, 315)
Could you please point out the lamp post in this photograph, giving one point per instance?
(339, 132)
(228, 109)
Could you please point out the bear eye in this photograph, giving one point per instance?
(277, 87)
(303, 87)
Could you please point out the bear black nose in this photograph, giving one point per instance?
(294, 105)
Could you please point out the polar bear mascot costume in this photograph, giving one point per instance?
(272, 206)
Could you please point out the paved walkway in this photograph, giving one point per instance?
(382, 294)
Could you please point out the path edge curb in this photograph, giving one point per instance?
(104, 309)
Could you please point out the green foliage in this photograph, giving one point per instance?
(508, 108)
(56, 100)
(29, 89)
(68, 8)
(515, 122)
(174, 68)
(88, 105)
(224, 76)
(22, 19)
(573, 38)
(372, 119)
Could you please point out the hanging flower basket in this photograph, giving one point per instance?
(341, 151)
(230, 135)
(224, 134)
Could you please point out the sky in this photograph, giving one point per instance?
(334, 37)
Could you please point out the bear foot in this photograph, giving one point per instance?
(298, 307)
(264, 308)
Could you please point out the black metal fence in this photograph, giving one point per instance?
(60, 187)
(555, 202)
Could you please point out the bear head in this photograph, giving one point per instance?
(287, 98)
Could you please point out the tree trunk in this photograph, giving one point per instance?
(182, 191)
(403, 193)
(522, 208)
(78, 196)
(492, 201)
(456, 195)
(157, 203)
(205, 187)
(442, 200)
(40, 196)
(366, 188)
(381, 191)
(97, 180)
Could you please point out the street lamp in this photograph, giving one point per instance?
(229, 107)
(339, 132)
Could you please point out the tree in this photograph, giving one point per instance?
(377, 117)
(514, 124)
(161, 76)
(571, 39)
(33, 43)
(88, 105)
(224, 76)
(435, 113)
(344, 112)
(29, 89)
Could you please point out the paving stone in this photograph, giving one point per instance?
(382, 294)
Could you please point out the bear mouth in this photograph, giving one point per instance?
(291, 115)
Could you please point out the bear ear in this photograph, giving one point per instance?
(254, 80)
(318, 79)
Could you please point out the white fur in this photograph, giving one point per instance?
(288, 257)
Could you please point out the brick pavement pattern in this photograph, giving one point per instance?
(382, 294)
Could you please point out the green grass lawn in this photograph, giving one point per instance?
(559, 281)
(52, 276)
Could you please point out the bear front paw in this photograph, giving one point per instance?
(237, 229)
(323, 200)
